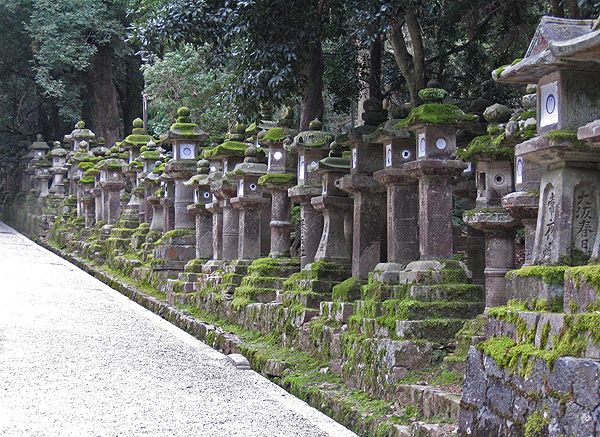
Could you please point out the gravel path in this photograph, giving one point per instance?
(79, 359)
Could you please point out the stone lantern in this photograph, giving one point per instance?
(154, 196)
(493, 163)
(186, 139)
(168, 201)
(132, 144)
(369, 203)
(58, 170)
(87, 183)
(230, 153)
(204, 220)
(402, 201)
(28, 171)
(567, 98)
(81, 160)
(335, 205)
(38, 149)
(42, 176)
(434, 168)
(149, 157)
(281, 175)
(311, 146)
(249, 201)
(79, 134)
(112, 181)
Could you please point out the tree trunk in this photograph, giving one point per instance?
(573, 8)
(416, 38)
(557, 8)
(404, 61)
(103, 103)
(375, 58)
(311, 105)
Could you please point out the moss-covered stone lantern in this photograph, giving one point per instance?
(311, 146)
(281, 175)
(434, 124)
(112, 181)
(58, 170)
(558, 61)
(249, 201)
(402, 200)
(230, 153)
(79, 134)
(335, 206)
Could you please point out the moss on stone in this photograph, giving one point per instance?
(85, 165)
(537, 423)
(482, 147)
(589, 273)
(433, 94)
(175, 233)
(347, 290)
(277, 179)
(525, 115)
(435, 113)
(87, 180)
(498, 71)
(564, 135)
(551, 275)
(137, 140)
(228, 148)
(274, 135)
(185, 129)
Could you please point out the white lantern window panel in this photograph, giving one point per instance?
(469, 168)
(354, 158)
(520, 170)
(301, 167)
(549, 104)
(388, 155)
(277, 155)
(441, 143)
(187, 151)
(421, 145)
(240, 187)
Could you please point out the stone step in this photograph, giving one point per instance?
(418, 310)
(307, 299)
(188, 277)
(448, 292)
(336, 311)
(256, 294)
(263, 281)
(432, 402)
(434, 329)
(422, 429)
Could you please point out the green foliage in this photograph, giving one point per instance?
(183, 77)
(66, 36)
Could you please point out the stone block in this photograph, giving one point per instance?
(529, 288)
(586, 383)
(580, 293)
(544, 334)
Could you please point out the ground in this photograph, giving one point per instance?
(78, 358)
